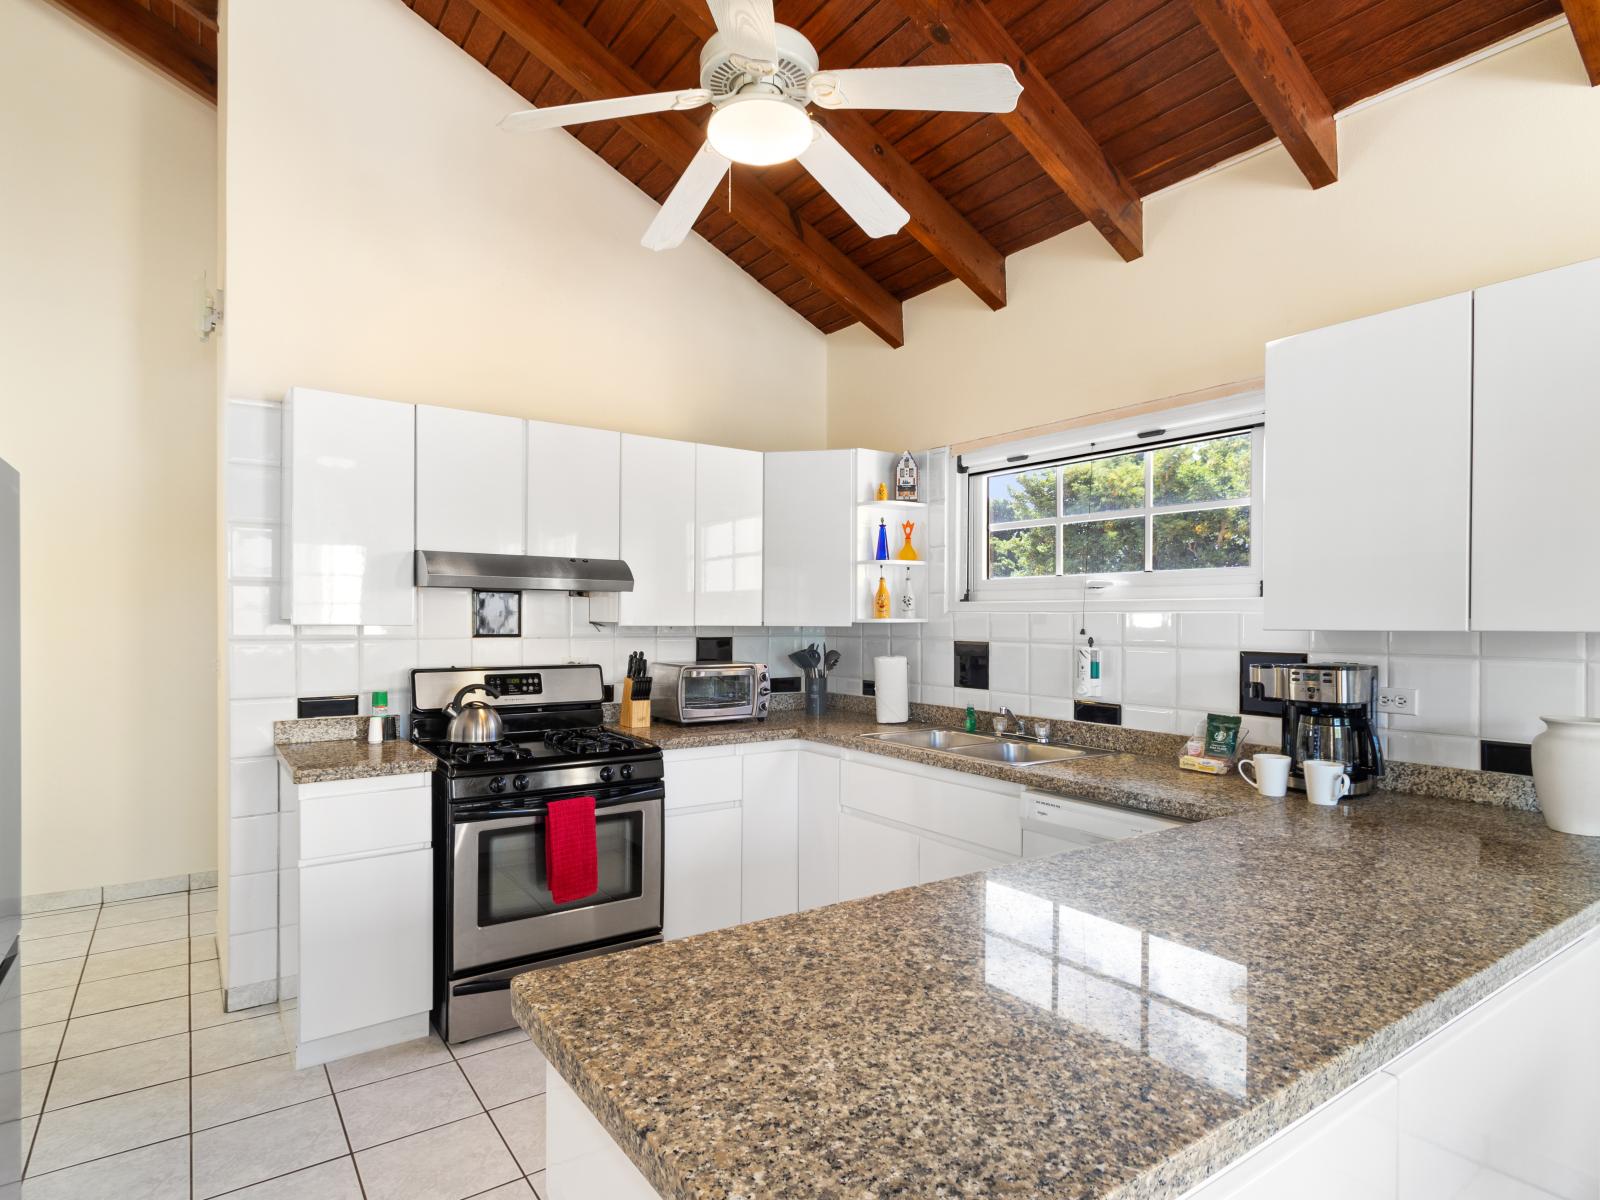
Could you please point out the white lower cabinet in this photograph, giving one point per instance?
(1343, 1151)
(359, 853)
(817, 829)
(1505, 1101)
(771, 849)
(941, 860)
(874, 857)
(701, 871)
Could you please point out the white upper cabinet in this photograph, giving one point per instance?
(1536, 424)
(809, 562)
(348, 504)
(728, 536)
(658, 509)
(1369, 472)
(574, 491)
(471, 494)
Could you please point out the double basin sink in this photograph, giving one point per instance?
(987, 747)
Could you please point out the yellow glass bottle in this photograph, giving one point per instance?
(880, 600)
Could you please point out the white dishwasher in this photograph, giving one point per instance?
(1052, 824)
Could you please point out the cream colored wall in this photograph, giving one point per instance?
(385, 238)
(1486, 173)
(106, 407)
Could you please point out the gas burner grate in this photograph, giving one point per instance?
(587, 741)
(474, 754)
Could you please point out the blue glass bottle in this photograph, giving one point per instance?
(883, 542)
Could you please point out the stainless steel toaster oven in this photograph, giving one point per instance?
(691, 693)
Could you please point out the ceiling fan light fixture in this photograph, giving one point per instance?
(759, 130)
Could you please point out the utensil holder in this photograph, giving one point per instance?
(631, 713)
(816, 695)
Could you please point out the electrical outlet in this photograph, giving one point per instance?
(1403, 701)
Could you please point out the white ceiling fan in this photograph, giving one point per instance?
(760, 76)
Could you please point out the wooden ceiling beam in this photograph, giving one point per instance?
(1264, 59)
(1584, 18)
(147, 37)
(935, 222)
(204, 11)
(961, 31)
(548, 32)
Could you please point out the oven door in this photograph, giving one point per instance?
(716, 694)
(501, 909)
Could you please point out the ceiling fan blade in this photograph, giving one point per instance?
(748, 26)
(603, 110)
(964, 87)
(686, 201)
(852, 185)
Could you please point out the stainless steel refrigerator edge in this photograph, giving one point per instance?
(10, 834)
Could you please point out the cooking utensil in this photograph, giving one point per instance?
(832, 660)
(474, 722)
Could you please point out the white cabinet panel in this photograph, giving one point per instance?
(471, 482)
(818, 829)
(728, 536)
(1343, 1151)
(940, 860)
(874, 858)
(1506, 1100)
(336, 824)
(348, 471)
(981, 812)
(1368, 466)
(1535, 427)
(574, 491)
(701, 778)
(701, 875)
(658, 501)
(770, 865)
(809, 560)
(366, 942)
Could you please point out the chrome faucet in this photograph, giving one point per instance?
(1005, 719)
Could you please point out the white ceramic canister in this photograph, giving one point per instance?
(1566, 774)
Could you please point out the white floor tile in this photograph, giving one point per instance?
(489, 1041)
(158, 1172)
(387, 1062)
(509, 1073)
(250, 1089)
(54, 949)
(124, 1026)
(69, 1136)
(53, 924)
(522, 1125)
(47, 1007)
(141, 933)
(134, 912)
(112, 1072)
(136, 960)
(261, 1148)
(448, 1163)
(42, 977)
(42, 1043)
(406, 1104)
(240, 1042)
(334, 1180)
(206, 1010)
(125, 991)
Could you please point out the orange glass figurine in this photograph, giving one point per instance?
(908, 552)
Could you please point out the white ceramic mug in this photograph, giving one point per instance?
(1326, 782)
(1268, 774)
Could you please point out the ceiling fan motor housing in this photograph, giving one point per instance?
(725, 75)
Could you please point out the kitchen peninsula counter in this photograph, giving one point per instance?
(1120, 1021)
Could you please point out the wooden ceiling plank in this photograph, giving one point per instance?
(1042, 122)
(154, 41)
(1252, 40)
(935, 222)
(571, 51)
(204, 11)
(482, 40)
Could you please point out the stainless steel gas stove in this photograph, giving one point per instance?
(494, 915)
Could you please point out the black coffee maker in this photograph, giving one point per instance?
(1329, 711)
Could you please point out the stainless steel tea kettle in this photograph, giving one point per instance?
(474, 722)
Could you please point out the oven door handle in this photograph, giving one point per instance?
(498, 818)
(478, 986)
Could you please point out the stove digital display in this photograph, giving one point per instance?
(529, 683)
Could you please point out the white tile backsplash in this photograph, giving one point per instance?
(253, 786)
(1208, 679)
(1517, 693)
(1557, 646)
(1150, 676)
(1447, 694)
(1050, 667)
(258, 670)
(1150, 628)
(1008, 668)
(445, 612)
(1219, 630)
(328, 668)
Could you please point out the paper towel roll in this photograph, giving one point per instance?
(893, 705)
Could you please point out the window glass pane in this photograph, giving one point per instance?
(1097, 547)
(1024, 496)
(1218, 537)
(1103, 484)
(1218, 469)
(1021, 553)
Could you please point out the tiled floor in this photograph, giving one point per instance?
(137, 1086)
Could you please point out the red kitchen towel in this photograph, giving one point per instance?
(570, 861)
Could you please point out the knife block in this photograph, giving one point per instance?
(632, 714)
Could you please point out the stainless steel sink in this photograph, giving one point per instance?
(935, 739)
(1025, 754)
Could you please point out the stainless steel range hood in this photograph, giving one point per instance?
(515, 572)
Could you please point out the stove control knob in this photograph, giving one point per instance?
(627, 771)
(520, 783)
(605, 774)
(497, 784)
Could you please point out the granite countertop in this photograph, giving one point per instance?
(1153, 784)
(1120, 1021)
(333, 760)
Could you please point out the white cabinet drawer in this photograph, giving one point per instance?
(874, 858)
(345, 825)
(1086, 824)
(698, 778)
(937, 801)
(940, 860)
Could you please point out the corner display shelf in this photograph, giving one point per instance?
(910, 504)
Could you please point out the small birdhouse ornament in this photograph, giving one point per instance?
(905, 478)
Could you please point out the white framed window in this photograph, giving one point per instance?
(1166, 517)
